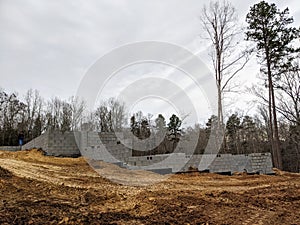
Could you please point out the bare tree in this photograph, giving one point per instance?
(54, 113)
(110, 115)
(77, 108)
(289, 106)
(33, 116)
(219, 21)
(289, 97)
(117, 111)
(101, 116)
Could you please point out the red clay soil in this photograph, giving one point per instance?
(36, 189)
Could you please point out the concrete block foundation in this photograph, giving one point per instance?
(107, 147)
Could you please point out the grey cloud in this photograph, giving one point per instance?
(49, 45)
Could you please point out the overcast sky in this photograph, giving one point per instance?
(50, 44)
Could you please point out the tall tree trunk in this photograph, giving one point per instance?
(276, 133)
(270, 124)
(220, 108)
(275, 145)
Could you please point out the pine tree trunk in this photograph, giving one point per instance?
(275, 145)
(276, 133)
(270, 124)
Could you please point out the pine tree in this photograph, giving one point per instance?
(270, 29)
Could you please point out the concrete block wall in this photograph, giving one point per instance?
(107, 147)
(55, 143)
(38, 142)
(175, 161)
(104, 146)
(253, 163)
(146, 160)
(260, 162)
(222, 163)
(205, 161)
(62, 144)
(193, 162)
(98, 152)
(115, 147)
(180, 162)
(98, 145)
(90, 138)
(241, 162)
(10, 148)
(211, 162)
(105, 153)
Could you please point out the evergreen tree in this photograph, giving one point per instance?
(174, 126)
(160, 124)
(270, 29)
(233, 126)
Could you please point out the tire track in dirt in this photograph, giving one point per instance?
(259, 217)
(46, 173)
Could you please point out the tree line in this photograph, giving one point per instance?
(32, 115)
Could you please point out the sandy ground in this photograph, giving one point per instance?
(36, 189)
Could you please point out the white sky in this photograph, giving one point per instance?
(49, 45)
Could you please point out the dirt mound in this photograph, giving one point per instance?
(49, 190)
(4, 173)
(38, 155)
(32, 153)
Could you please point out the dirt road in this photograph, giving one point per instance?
(36, 189)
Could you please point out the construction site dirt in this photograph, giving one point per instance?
(38, 189)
